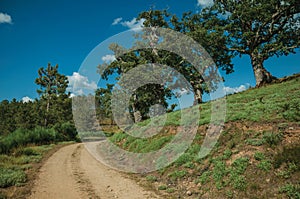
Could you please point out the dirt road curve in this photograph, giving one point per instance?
(73, 173)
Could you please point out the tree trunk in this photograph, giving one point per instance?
(136, 113)
(197, 97)
(137, 116)
(47, 110)
(262, 76)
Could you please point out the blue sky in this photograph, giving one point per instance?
(34, 33)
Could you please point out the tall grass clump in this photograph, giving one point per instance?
(23, 137)
(11, 177)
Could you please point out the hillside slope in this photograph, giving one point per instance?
(256, 156)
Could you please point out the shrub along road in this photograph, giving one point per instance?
(73, 173)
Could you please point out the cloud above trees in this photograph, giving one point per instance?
(205, 3)
(133, 24)
(5, 18)
(26, 99)
(108, 58)
(79, 84)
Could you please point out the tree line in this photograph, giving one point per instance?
(52, 110)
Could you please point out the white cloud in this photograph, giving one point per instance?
(181, 92)
(205, 3)
(108, 58)
(79, 84)
(5, 18)
(26, 99)
(117, 21)
(230, 90)
(134, 24)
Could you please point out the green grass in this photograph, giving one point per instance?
(189, 165)
(221, 173)
(151, 178)
(240, 165)
(291, 190)
(162, 187)
(10, 177)
(13, 166)
(268, 102)
(264, 165)
(23, 137)
(170, 190)
(271, 139)
(289, 170)
(118, 137)
(184, 159)
(139, 145)
(291, 110)
(236, 173)
(288, 154)
(272, 103)
(227, 154)
(259, 156)
(177, 174)
(204, 177)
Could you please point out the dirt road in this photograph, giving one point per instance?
(73, 173)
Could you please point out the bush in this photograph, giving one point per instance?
(290, 168)
(151, 178)
(66, 131)
(183, 159)
(272, 139)
(118, 137)
(259, 156)
(239, 182)
(27, 151)
(264, 165)
(240, 165)
(177, 174)
(162, 187)
(170, 190)
(292, 191)
(10, 177)
(23, 137)
(291, 110)
(204, 177)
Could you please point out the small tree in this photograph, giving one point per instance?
(143, 97)
(55, 103)
(259, 29)
(103, 103)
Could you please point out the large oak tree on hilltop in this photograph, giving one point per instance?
(260, 29)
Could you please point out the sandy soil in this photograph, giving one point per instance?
(73, 173)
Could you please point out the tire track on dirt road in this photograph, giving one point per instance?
(73, 173)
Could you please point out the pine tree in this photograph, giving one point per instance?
(55, 105)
